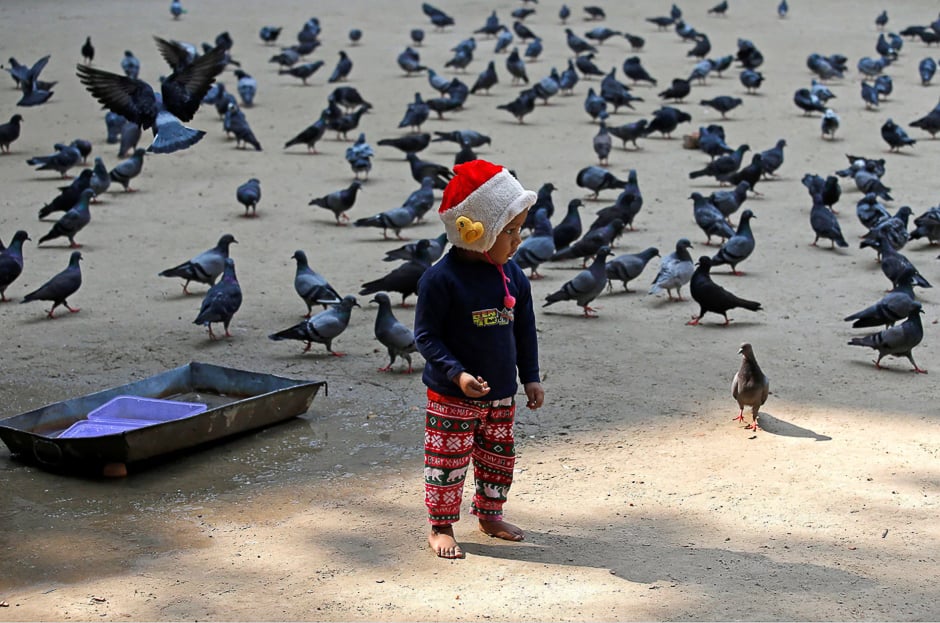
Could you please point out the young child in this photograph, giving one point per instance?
(475, 328)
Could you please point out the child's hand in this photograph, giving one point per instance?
(471, 386)
(534, 394)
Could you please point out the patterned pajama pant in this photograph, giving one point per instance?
(456, 431)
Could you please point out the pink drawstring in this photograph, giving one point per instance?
(509, 300)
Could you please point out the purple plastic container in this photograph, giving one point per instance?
(100, 428)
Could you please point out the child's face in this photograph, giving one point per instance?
(508, 240)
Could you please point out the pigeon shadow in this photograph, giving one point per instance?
(775, 426)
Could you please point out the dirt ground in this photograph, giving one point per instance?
(641, 498)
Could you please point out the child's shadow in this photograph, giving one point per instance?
(775, 426)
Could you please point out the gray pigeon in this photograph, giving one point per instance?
(130, 136)
(750, 386)
(35, 91)
(60, 287)
(64, 158)
(9, 132)
(236, 123)
(738, 247)
(674, 271)
(602, 143)
(339, 201)
(728, 201)
(435, 250)
(585, 286)
(396, 337)
(395, 219)
(309, 136)
(322, 328)
(628, 267)
(415, 115)
(72, 221)
(221, 301)
(126, 170)
(247, 88)
(538, 247)
(825, 224)
(897, 341)
(597, 179)
(893, 307)
(249, 194)
(709, 218)
(100, 178)
(403, 279)
(205, 267)
(311, 286)
(11, 262)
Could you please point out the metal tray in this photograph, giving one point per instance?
(238, 401)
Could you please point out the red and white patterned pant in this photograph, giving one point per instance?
(457, 430)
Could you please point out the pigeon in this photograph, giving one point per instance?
(895, 136)
(750, 386)
(64, 158)
(720, 9)
(322, 328)
(568, 78)
(339, 201)
(723, 165)
(594, 12)
(269, 34)
(247, 88)
(678, 90)
(633, 69)
(182, 93)
(602, 34)
(927, 225)
(711, 140)
(486, 79)
(355, 35)
(343, 66)
(893, 229)
(881, 20)
(309, 136)
(438, 17)
(113, 123)
(569, 229)
(534, 49)
(249, 194)
(628, 267)
(829, 124)
(636, 42)
(470, 137)
(302, 71)
(417, 35)
(311, 286)
(236, 123)
(896, 267)
(421, 200)
(72, 221)
(782, 9)
(709, 219)
(398, 339)
(751, 80)
(538, 247)
(713, 298)
(675, 270)
(410, 62)
(9, 132)
(585, 286)
(522, 105)
(421, 169)
(825, 224)
(348, 97)
(35, 91)
(68, 195)
(602, 144)
(772, 159)
(409, 143)
(490, 27)
(395, 219)
(60, 287)
(588, 245)
(176, 9)
(205, 267)
(701, 48)
(403, 279)
(11, 262)
(462, 57)
(883, 86)
(415, 115)
(893, 307)
(629, 132)
(739, 246)
(930, 122)
(870, 96)
(809, 103)
(585, 64)
(897, 341)
(359, 156)
(625, 208)
(516, 67)
(126, 170)
(926, 69)
(577, 44)
(870, 211)
(88, 51)
(595, 105)
(100, 178)
(597, 179)
(666, 119)
(221, 301)
(729, 201)
(408, 251)
(751, 174)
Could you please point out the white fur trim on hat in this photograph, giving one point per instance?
(475, 222)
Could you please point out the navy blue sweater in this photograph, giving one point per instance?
(461, 325)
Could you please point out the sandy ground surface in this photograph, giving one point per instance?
(641, 498)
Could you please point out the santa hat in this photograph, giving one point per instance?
(478, 203)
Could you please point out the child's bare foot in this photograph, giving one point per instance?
(443, 543)
(501, 530)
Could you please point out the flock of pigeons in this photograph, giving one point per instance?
(134, 106)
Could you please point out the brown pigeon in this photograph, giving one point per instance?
(750, 386)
